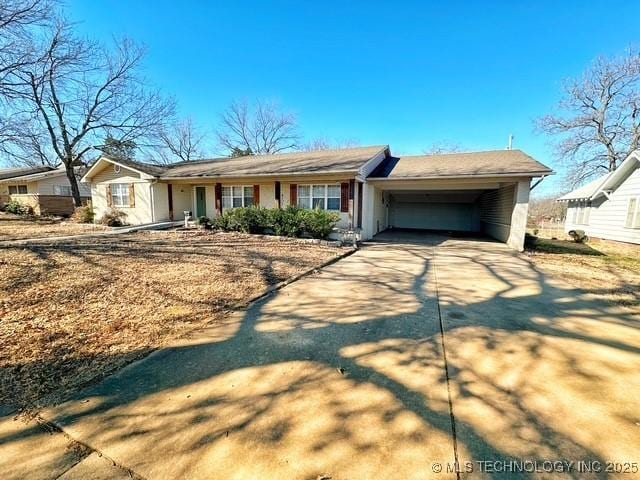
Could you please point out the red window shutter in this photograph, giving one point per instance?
(218, 195)
(109, 197)
(293, 194)
(277, 189)
(256, 195)
(132, 196)
(344, 197)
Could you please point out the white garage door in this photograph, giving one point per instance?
(433, 216)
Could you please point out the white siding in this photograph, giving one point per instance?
(380, 210)
(607, 216)
(181, 200)
(140, 213)
(496, 207)
(46, 186)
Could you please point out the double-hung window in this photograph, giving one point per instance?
(120, 195)
(324, 197)
(17, 189)
(581, 213)
(236, 196)
(633, 213)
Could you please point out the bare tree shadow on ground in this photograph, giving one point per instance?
(343, 374)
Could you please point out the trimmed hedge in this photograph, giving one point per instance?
(290, 221)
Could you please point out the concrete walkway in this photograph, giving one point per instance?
(344, 374)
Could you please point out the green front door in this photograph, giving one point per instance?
(201, 203)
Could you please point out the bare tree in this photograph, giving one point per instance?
(547, 208)
(322, 143)
(438, 148)
(597, 122)
(78, 93)
(181, 142)
(262, 129)
(17, 19)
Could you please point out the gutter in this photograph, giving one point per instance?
(263, 175)
(467, 176)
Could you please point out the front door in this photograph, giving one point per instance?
(201, 203)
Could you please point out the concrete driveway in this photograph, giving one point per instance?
(345, 374)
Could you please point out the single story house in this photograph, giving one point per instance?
(45, 189)
(608, 207)
(370, 188)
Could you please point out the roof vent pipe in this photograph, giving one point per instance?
(510, 146)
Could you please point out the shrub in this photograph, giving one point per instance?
(84, 214)
(114, 218)
(530, 241)
(319, 223)
(290, 221)
(246, 220)
(204, 222)
(287, 222)
(17, 208)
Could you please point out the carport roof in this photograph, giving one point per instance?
(453, 165)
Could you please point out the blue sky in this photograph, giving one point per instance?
(406, 73)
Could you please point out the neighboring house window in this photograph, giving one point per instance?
(324, 197)
(581, 213)
(62, 190)
(17, 189)
(236, 196)
(120, 195)
(633, 213)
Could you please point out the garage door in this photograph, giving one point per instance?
(433, 216)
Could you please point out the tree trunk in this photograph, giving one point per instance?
(73, 181)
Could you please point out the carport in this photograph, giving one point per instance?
(480, 192)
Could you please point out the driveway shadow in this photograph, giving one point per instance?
(343, 374)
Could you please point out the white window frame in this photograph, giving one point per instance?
(62, 190)
(232, 196)
(581, 213)
(632, 219)
(325, 197)
(116, 193)
(18, 188)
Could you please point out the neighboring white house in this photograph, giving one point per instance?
(608, 207)
(371, 189)
(45, 189)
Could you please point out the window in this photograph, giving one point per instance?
(236, 196)
(324, 197)
(581, 213)
(633, 213)
(17, 189)
(120, 195)
(63, 190)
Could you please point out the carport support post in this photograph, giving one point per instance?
(368, 196)
(519, 215)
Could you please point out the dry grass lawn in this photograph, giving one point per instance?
(73, 311)
(608, 270)
(13, 227)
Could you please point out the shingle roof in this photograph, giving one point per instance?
(586, 191)
(496, 162)
(148, 168)
(8, 173)
(322, 161)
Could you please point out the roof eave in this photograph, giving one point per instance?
(262, 175)
(86, 178)
(467, 176)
